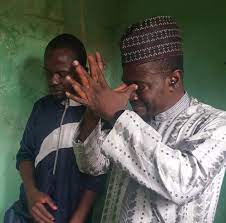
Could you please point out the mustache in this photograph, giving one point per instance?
(56, 88)
(136, 103)
(141, 105)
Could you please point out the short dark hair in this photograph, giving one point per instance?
(170, 64)
(71, 42)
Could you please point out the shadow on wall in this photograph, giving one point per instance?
(32, 80)
(25, 28)
(30, 85)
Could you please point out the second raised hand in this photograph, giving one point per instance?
(94, 92)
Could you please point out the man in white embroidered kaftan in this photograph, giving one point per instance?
(167, 155)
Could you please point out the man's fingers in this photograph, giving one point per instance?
(82, 73)
(77, 87)
(121, 87)
(133, 96)
(95, 71)
(50, 203)
(41, 217)
(100, 61)
(93, 66)
(76, 99)
(44, 212)
(36, 218)
(102, 80)
(131, 89)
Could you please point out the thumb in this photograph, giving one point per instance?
(121, 87)
(51, 203)
(131, 89)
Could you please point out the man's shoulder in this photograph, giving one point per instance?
(44, 99)
(206, 111)
(43, 102)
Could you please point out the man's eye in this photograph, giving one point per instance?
(62, 74)
(141, 87)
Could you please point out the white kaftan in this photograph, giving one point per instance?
(170, 170)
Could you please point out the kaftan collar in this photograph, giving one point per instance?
(175, 110)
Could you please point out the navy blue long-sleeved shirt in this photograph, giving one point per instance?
(39, 144)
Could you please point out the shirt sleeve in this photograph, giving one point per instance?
(27, 144)
(178, 174)
(89, 156)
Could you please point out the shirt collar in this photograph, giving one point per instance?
(71, 103)
(175, 110)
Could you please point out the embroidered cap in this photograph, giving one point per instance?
(154, 38)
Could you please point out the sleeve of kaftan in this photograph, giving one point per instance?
(89, 156)
(178, 174)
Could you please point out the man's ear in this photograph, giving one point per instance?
(175, 79)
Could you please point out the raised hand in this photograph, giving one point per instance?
(94, 92)
(100, 61)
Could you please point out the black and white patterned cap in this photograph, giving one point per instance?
(154, 38)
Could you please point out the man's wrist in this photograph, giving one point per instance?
(110, 123)
(115, 117)
(86, 127)
(77, 218)
(31, 191)
(29, 186)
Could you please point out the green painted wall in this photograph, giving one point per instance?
(27, 25)
(25, 28)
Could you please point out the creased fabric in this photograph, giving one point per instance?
(169, 170)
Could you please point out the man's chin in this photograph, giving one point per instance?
(140, 111)
(59, 96)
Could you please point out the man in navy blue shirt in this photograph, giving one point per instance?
(53, 189)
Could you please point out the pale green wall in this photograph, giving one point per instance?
(25, 28)
(27, 25)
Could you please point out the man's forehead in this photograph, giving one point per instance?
(63, 58)
(59, 56)
(146, 72)
(61, 53)
(133, 72)
(59, 61)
